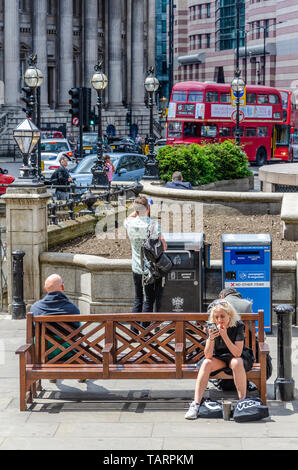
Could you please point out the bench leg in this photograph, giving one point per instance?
(263, 391)
(38, 386)
(23, 390)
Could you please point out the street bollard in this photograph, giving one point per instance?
(284, 385)
(18, 306)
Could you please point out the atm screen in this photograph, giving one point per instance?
(247, 257)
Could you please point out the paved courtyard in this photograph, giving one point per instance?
(128, 415)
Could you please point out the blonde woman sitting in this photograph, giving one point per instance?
(224, 349)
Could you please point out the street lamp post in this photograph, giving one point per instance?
(26, 135)
(99, 82)
(237, 86)
(33, 78)
(151, 84)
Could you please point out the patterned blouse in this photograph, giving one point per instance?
(137, 229)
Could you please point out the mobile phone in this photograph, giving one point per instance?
(212, 326)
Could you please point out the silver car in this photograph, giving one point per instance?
(56, 146)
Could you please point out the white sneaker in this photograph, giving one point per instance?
(193, 411)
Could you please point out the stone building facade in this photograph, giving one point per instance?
(68, 37)
(205, 41)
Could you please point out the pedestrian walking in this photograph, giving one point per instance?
(61, 177)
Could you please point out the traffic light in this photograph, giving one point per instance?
(128, 117)
(75, 103)
(28, 99)
(86, 106)
(93, 118)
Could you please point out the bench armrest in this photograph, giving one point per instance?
(264, 348)
(23, 349)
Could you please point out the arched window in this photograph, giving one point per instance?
(111, 131)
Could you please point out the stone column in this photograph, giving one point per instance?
(90, 42)
(115, 52)
(40, 44)
(11, 52)
(26, 230)
(66, 72)
(137, 53)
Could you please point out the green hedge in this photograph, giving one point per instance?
(203, 164)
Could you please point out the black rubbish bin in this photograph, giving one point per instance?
(184, 286)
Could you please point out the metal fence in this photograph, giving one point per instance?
(66, 200)
(3, 268)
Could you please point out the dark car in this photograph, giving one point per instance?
(126, 147)
(90, 145)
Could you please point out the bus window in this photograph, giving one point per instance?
(179, 96)
(282, 135)
(196, 97)
(225, 98)
(262, 131)
(190, 129)
(251, 98)
(211, 97)
(273, 99)
(175, 129)
(240, 129)
(284, 98)
(225, 132)
(209, 131)
(250, 132)
(262, 99)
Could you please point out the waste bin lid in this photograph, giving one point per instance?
(248, 238)
(184, 241)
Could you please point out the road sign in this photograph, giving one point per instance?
(242, 98)
(75, 121)
(234, 116)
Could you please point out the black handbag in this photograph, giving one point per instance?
(250, 409)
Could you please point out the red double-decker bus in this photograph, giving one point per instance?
(202, 112)
(287, 133)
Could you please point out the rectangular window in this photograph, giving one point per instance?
(273, 99)
(208, 40)
(208, 10)
(251, 98)
(209, 131)
(199, 11)
(196, 97)
(263, 99)
(225, 98)
(225, 132)
(179, 96)
(175, 129)
(250, 132)
(262, 131)
(211, 97)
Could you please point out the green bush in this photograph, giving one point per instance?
(203, 164)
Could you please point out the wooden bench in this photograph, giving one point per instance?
(104, 347)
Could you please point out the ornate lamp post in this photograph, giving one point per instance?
(151, 84)
(99, 82)
(26, 135)
(238, 86)
(33, 78)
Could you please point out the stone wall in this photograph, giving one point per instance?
(99, 285)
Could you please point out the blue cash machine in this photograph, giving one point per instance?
(246, 266)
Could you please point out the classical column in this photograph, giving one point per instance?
(90, 41)
(66, 72)
(137, 53)
(12, 72)
(40, 44)
(114, 58)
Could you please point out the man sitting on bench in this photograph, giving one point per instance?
(55, 303)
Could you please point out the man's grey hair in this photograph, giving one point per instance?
(177, 176)
(63, 157)
(223, 293)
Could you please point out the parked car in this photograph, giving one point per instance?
(124, 146)
(128, 167)
(160, 143)
(44, 135)
(5, 179)
(56, 146)
(50, 162)
(90, 145)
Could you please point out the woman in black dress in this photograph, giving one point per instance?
(224, 349)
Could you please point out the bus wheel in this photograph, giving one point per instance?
(261, 157)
